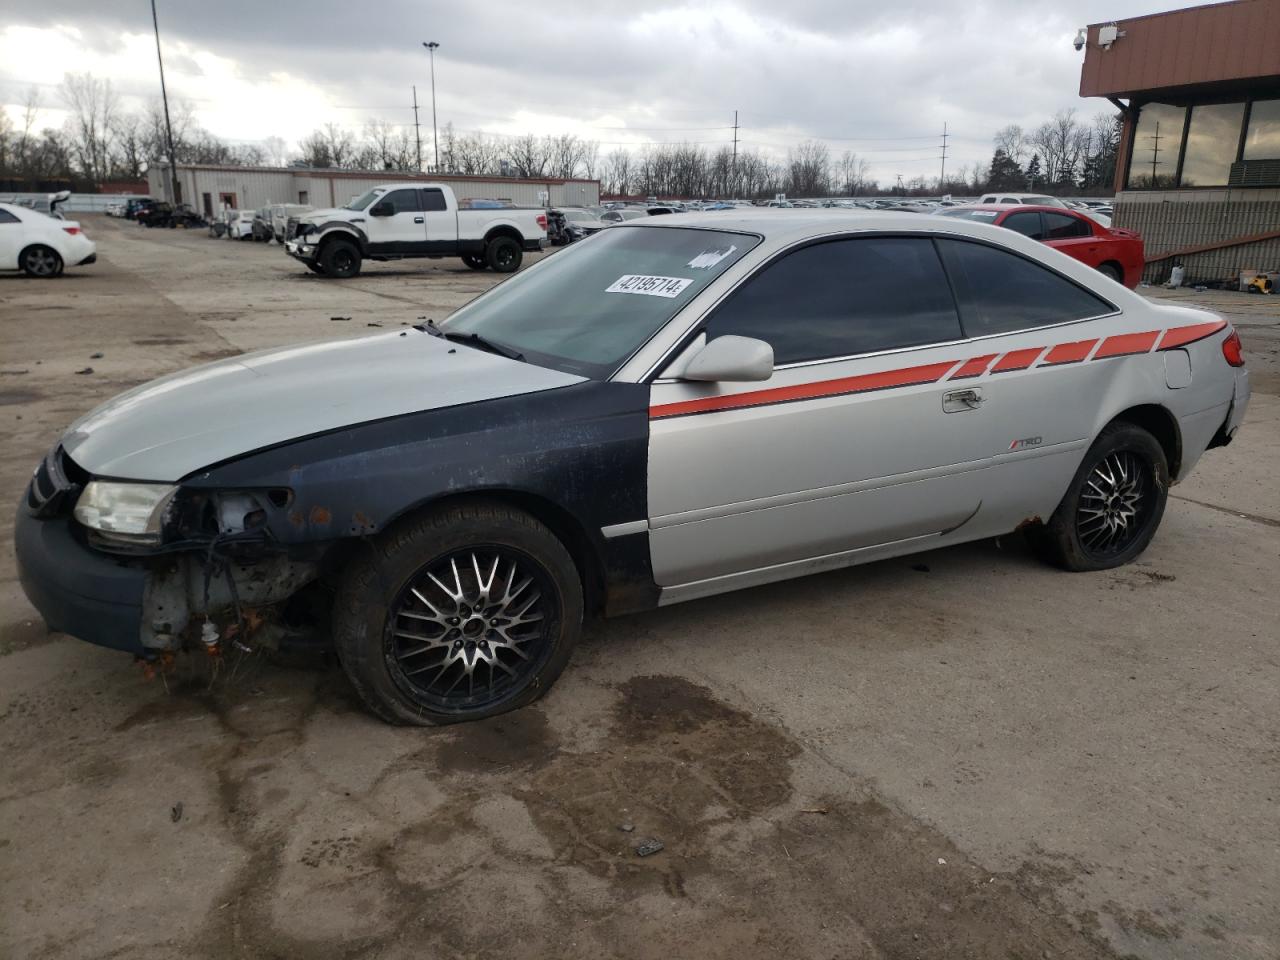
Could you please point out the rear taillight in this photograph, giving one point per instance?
(542, 220)
(1231, 349)
(71, 230)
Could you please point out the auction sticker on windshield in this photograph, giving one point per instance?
(649, 286)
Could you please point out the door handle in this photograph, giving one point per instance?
(418, 220)
(958, 401)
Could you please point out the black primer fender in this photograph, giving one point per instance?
(582, 449)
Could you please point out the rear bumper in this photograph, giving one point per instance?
(532, 246)
(78, 591)
(1235, 413)
(91, 258)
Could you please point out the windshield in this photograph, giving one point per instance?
(359, 203)
(586, 309)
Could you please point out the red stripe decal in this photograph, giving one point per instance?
(1126, 344)
(1180, 336)
(1068, 353)
(1017, 360)
(906, 377)
(973, 368)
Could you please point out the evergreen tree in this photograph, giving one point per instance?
(1033, 171)
(1005, 173)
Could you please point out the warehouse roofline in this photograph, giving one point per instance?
(342, 173)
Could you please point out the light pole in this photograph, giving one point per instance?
(168, 127)
(435, 137)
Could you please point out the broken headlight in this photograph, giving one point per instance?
(129, 512)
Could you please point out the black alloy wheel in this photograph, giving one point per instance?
(471, 627)
(1113, 506)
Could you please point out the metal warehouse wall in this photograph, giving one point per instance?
(1171, 220)
(256, 187)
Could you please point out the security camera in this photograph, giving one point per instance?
(1079, 41)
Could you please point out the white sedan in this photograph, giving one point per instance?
(40, 245)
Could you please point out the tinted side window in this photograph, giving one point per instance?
(433, 201)
(1000, 292)
(844, 297)
(1063, 226)
(7, 217)
(403, 201)
(1027, 224)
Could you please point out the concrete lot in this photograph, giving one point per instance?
(960, 754)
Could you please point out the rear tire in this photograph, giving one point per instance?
(1112, 271)
(40, 261)
(475, 261)
(504, 255)
(1113, 506)
(340, 259)
(423, 613)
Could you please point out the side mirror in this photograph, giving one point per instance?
(382, 209)
(731, 359)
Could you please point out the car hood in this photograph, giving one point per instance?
(331, 213)
(169, 428)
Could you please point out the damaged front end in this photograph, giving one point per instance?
(155, 569)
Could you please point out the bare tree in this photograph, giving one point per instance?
(130, 145)
(276, 151)
(809, 169)
(617, 172)
(527, 156)
(1012, 140)
(852, 172)
(1060, 142)
(93, 105)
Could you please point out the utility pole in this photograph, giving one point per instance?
(942, 177)
(435, 136)
(417, 133)
(734, 168)
(168, 127)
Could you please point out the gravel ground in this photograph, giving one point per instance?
(960, 754)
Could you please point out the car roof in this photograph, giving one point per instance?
(1019, 207)
(785, 226)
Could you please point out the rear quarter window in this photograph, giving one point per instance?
(1001, 292)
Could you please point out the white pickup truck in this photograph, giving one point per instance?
(397, 221)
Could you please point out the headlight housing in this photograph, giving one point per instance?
(128, 512)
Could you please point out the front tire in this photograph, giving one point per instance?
(460, 613)
(40, 261)
(504, 255)
(1113, 506)
(340, 259)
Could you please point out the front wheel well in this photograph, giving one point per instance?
(566, 528)
(1162, 425)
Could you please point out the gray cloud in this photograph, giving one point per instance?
(822, 68)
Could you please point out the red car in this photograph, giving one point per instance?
(1109, 250)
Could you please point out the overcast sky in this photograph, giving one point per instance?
(878, 78)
